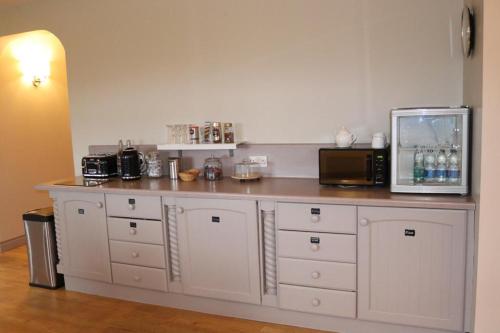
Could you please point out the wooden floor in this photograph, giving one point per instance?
(31, 310)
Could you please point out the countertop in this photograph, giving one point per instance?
(278, 189)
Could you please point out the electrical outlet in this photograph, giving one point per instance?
(260, 160)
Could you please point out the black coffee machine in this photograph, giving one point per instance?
(130, 163)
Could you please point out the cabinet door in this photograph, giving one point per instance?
(85, 236)
(218, 243)
(411, 266)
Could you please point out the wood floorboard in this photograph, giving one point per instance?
(25, 309)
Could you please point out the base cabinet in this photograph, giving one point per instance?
(218, 243)
(83, 235)
(411, 266)
(382, 269)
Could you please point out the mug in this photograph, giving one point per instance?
(379, 140)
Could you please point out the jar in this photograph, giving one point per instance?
(155, 165)
(194, 134)
(216, 132)
(212, 168)
(246, 170)
(228, 133)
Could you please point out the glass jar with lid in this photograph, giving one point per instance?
(212, 168)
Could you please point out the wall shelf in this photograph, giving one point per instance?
(200, 146)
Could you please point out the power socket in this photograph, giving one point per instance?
(260, 160)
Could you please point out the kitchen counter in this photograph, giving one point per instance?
(278, 189)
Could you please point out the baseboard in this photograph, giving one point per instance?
(12, 243)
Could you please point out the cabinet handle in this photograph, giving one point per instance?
(363, 222)
(315, 218)
(137, 278)
(99, 204)
(180, 210)
(314, 247)
(132, 231)
(131, 206)
(315, 275)
(316, 302)
(135, 254)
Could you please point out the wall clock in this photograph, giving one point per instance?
(467, 31)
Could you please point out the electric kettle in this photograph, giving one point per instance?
(132, 163)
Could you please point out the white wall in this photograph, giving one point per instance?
(288, 71)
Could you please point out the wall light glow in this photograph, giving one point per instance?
(34, 60)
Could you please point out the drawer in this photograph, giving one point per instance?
(137, 254)
(311, 217)
(316, 300)
(130, 230)
(140, 206)
(317, 246)
(321, 274)
(140, 277)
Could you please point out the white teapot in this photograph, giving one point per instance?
(344, 138)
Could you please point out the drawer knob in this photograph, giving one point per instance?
(180, 210)
(363, 222)
(131, 206)
(135, 254)
(315, 302)
(314, 247)
(137, 278)
(315, 275)
(99, 204)
(315, 218)
(132, 231)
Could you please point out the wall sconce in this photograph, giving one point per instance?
(34, 60)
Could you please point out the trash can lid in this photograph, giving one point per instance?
(40, 215)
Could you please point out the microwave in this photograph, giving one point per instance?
(359, 165)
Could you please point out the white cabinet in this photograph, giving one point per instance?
(82, 235)
(218, 245)
(411, 266)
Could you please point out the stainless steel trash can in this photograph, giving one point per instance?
(42, 251)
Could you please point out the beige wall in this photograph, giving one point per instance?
(286, 70)
(488, 277)
(35, 139)
(473, 93)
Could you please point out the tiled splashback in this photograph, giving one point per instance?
(284, 160)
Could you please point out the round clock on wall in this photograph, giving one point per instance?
(467, 31)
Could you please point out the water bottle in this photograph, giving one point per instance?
(441, 168)
(454, 169)
(430, 166)
(418, 166)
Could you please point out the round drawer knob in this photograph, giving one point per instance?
(315, 275)
(180, 210)
(132, 231)
(131, 206)
(315, 218)
(135, 254)
(315, 302)
(137, 278)
(314, 247)
(100, 204)
(363, 222)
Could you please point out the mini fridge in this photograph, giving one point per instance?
(430, 150)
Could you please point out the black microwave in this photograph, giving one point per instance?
(359, 165)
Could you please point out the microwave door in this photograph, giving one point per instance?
(346, 168)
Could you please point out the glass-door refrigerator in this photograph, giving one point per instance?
(430, 149)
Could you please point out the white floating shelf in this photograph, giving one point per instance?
(200, 146)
